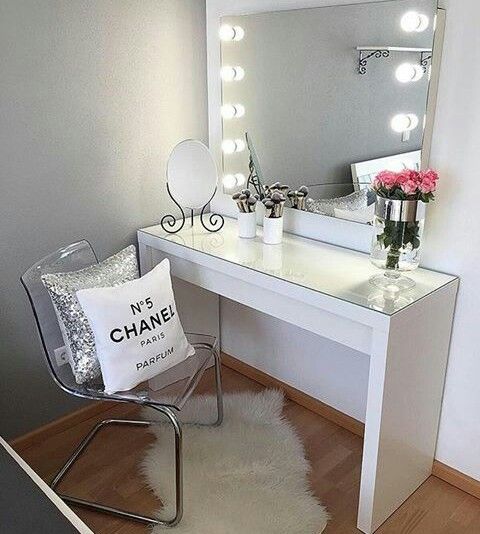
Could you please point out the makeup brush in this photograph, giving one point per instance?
(303, 189)
(269, 205)
(278, 199)
(251, 203)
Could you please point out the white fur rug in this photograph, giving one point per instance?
(248, 476)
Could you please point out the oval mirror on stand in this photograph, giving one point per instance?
(191, 183)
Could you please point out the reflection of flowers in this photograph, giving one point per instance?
(398, 236)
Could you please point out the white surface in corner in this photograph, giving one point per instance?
(453, 230)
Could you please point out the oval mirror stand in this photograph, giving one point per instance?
(191, 184)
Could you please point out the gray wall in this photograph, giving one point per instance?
(93, 96)
(310, 113)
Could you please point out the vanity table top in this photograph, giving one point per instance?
(334, 271)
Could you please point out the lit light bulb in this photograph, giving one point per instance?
(239, 145)
(409, 72)
(240, 179)
(229, 111)
(226, 32)
(239, 33)
(239, 110)
(229, 146)
(239, 73)
(229, 181)
(230, 74)
(414, 22)
(404, 122)
(231, 33)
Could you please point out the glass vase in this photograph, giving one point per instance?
(396, 242)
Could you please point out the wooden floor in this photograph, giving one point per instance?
(108, 473)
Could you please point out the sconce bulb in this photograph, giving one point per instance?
(231, 33)
(409, 72)
(229, 111)
(229, 181)
(414, 22)
(239, 110)
(240, 179)
(239, 33)
(404, 122)
(239, 73)
(230, 74)
(239, 145)
(229, 146)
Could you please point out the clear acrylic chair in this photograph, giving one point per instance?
(178, 382)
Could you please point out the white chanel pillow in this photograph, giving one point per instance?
(137, 330)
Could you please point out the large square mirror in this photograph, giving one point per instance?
(326, 98)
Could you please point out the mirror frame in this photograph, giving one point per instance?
(340, 232)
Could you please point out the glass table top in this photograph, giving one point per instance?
(334, 271)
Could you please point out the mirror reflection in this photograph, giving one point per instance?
(325, 98)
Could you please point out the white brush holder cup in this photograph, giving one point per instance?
(247, 225)
(272, 230)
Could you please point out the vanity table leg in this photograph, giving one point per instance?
(145, 258)
(407, 373)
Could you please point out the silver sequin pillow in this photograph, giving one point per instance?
(76, 331)
(355, 201)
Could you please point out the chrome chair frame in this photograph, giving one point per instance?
(168, 410)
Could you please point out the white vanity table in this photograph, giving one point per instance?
(325, 289)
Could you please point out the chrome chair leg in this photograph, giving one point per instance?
(218, 387)
(171, 416)
(117, 511)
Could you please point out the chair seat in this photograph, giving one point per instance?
(172, 387)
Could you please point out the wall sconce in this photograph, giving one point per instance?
(230, 74)
(231, 33)
(404, 123)
(229, 146)
(414, 22)
(230, 111)
(409, 72)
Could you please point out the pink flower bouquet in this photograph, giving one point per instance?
(397, 241)
(406, 185)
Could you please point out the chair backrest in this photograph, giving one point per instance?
(70, 258)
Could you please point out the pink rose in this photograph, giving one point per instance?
(387, 179)
(428, 181)
(409, 187)
(407, 175)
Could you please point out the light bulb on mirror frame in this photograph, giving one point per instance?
(240, 179)
(227, 32)
(404, 122)
(412, 21)
(228, 146)
(409, 72)
(239, 33)
(240, 145)
(229, 181)
(230, 74)
(230, 111)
